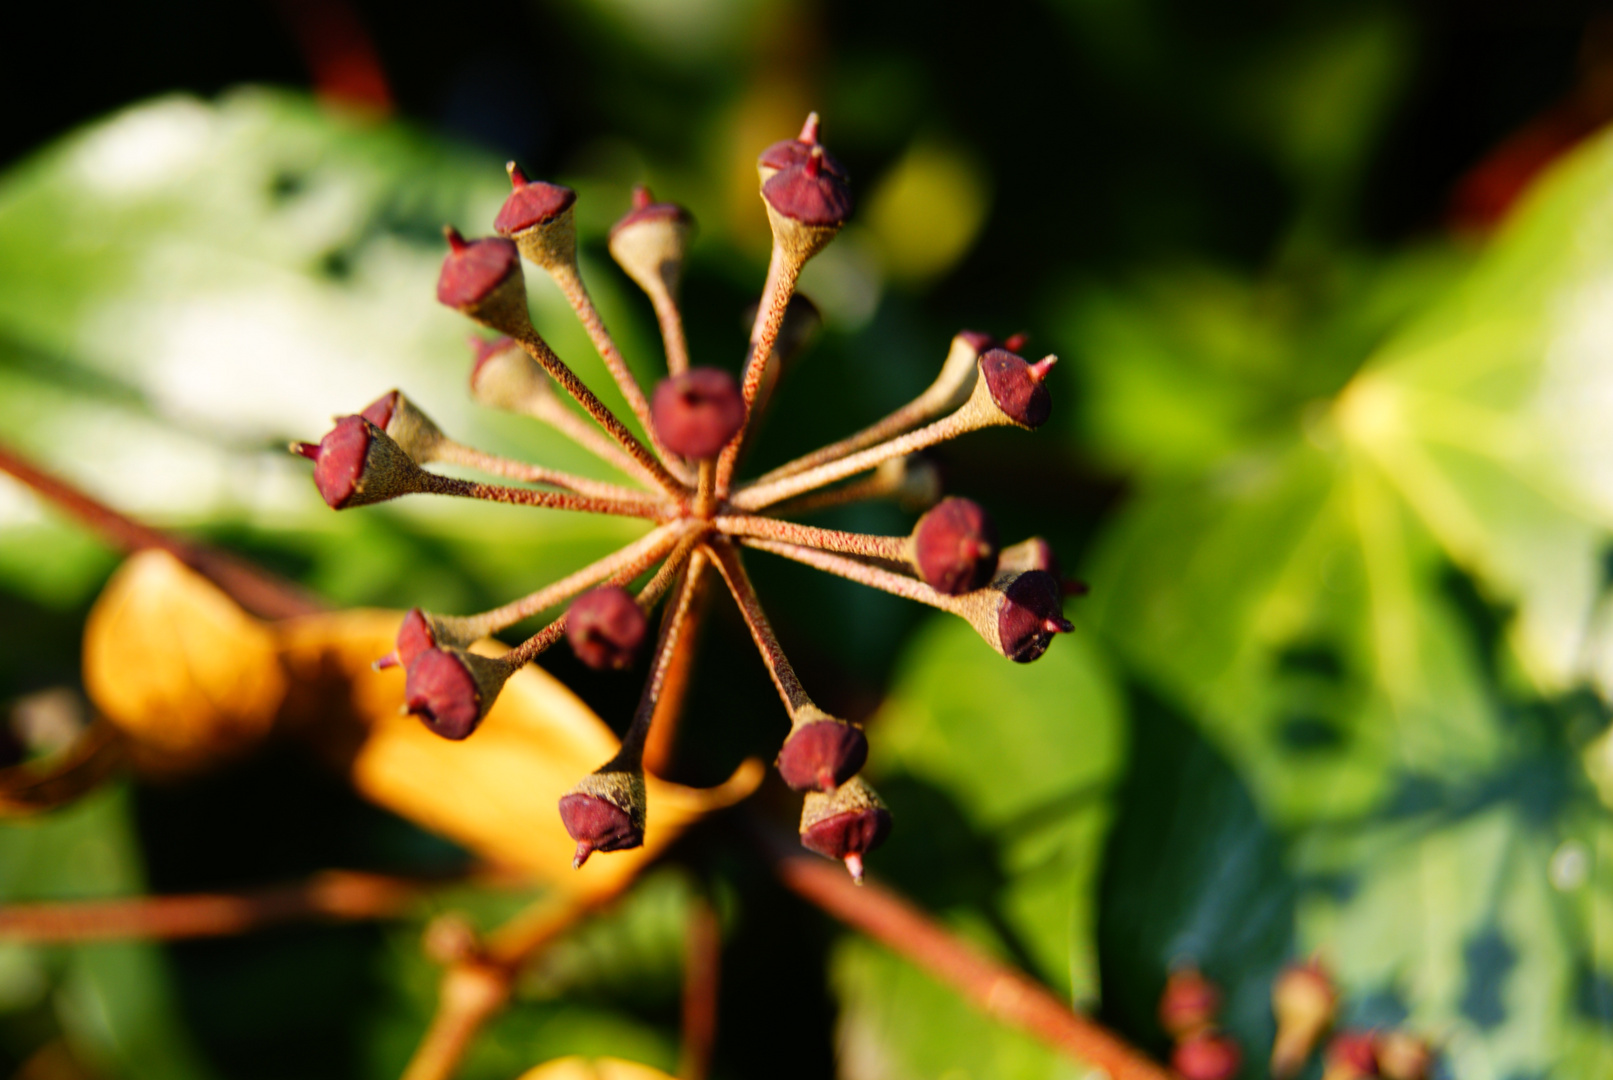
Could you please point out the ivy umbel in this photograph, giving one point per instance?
(696, 423)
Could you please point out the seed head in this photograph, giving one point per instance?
(788, 153)
(606, 628)
(697, 412)
(1028, 614)
(474, 271)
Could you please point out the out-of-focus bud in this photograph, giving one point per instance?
(1304, 1001)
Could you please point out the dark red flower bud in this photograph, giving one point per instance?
(845, 824)
(698, 412)
(606, 628)
(1030, 615)
(788, 153)
(821, 754)
(1189, 1003)
(474, 270)
(955, 546)
(356, 464)
(1352, 1055)
(451, 690)
(646, 211)
(1208, 1055)
(604, 812)
(809, 194)
(379, 412)
(1016, 386)
(531, 204)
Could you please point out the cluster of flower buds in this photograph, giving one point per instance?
(1305, 1002)
(679, 475)
(1188, 1010)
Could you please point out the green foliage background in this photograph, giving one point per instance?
(1344, 498)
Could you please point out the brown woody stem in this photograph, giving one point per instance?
(558, 415)
(340, 895)
(646, 461)
(872, 576)
(673, 623)
(763, 494)
(702, 978)
(459, 454)
(670, 317)
(658, 749)
(891, 548)
(744, 593)
(571, 285)
(624, 564)
(998, 990)
(259, 591)
(783, 268)
(552, 500)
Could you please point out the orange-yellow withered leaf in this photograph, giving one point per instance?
(496, 793)
(577, 1068)
(177, 666)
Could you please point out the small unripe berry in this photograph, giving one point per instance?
(604, 812)
(1208, 1055)
(955, 546)
(845, 824)
(821, 754)
(1404, 1056)
(451, 690)
(475, 270)
(531, 203)
(809, 193)
(1351, 1055)
(1303, 999)
(1031, 613)
(606, 628)
(356, 464)
(698, 412)
(1016, 386)
(1189, 1003)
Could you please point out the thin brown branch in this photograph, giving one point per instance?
(659, 748)
(336, 895)
(259, 591)
(783, 269)
(35, 786)
(890, 548)
(998, 990)
(702, 979)
(576, 294)
(460, 454)
(744, 593)
(672, 336)
(673, 622)
(646, 461)
(654, 510)
(862, 573)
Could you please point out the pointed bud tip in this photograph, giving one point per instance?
(1038, 371)
(642, 196)
(1074, 587)
(518, 178)
(584, 849)
(809, 130)
(390, 660)
(306, 449)
(456, 239)
(854, 864)
(1017, 342)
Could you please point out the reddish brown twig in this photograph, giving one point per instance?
(702, 977)
(340, 895)
(256, 590)
(35, 786)
(997, 989)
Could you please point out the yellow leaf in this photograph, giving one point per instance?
(577, 1068)
(496, 792)
(177, 666)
